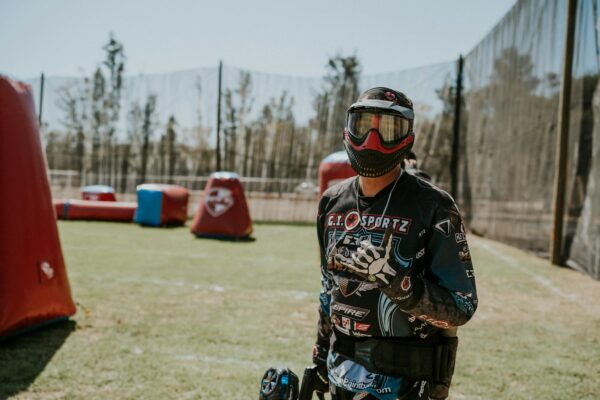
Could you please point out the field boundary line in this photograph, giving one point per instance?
(541, 280)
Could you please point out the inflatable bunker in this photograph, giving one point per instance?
(223, 212)
(160, 205)
(333, 169)
(98, 193)
(89, 210)
(34, 288)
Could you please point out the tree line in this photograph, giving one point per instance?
(258, 140)
(271, 144)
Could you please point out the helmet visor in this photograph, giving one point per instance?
(392, 127)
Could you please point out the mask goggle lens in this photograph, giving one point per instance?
(391, 126)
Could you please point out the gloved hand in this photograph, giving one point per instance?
(322, 384)
(373, 263)
(322, 379)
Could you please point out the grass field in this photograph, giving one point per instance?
(163, 315)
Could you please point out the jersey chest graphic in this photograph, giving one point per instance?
(351, 220)
(346, 242)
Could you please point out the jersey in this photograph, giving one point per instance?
(428, 238)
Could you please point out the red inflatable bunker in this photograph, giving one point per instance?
(118, 211)
(333, 169)
(160, 205)
(98, 193)
(223, 212)
(34, 288)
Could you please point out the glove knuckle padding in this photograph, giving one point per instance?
(366, 257)
(377, 266)
(372, 253)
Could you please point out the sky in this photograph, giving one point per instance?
(65, 37)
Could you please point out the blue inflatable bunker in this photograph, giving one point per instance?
(160, 205)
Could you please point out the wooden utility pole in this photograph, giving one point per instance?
(219, 118)
(456, 130)
(562, 141)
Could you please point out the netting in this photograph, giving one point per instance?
(275, 130)
(433, 91)
(512, 82)
(582, 222)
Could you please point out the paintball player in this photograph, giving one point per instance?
(397, 277)
(410, 161)
(409, 164)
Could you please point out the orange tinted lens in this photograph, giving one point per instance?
(361, 123)
(393, 127)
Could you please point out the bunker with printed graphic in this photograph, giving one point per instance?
(223, 212)
(98, 193)
(161, 205)
(34, 288)
(333, 169)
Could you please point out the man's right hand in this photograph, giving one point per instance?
(319, 359)
(314, 381)
(322, 381)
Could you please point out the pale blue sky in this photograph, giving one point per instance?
(64, 37)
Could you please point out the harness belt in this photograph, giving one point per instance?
(409, 358)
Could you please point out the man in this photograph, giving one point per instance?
(396, 271)
(410, 165)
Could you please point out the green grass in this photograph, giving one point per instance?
(164, 315)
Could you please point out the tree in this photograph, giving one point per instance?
(147, 131)
(318, 130)
(170, 143)
(229, 133)
(115, 65)
(279, 128)
(72, 99)
(342, 79)
(98, 118)
(134, 128)
(244, 93)
(340, 90)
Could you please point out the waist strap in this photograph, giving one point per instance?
(413, 359)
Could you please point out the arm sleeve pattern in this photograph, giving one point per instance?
(443, 294)
(324, 325)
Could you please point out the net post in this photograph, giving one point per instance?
(41, 100)
(456, 130)
(218, 147)
(562, 139)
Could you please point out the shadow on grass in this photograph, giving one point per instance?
(243, 239)
(24, 357)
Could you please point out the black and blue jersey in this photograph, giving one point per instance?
(428, 237)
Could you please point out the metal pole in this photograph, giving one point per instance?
(562, 140)
(219, 118)
(41, 100)
(456, 130)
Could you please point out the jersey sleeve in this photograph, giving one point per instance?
(444, 294)
(324, 325)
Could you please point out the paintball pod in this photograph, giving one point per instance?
(282, 384)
